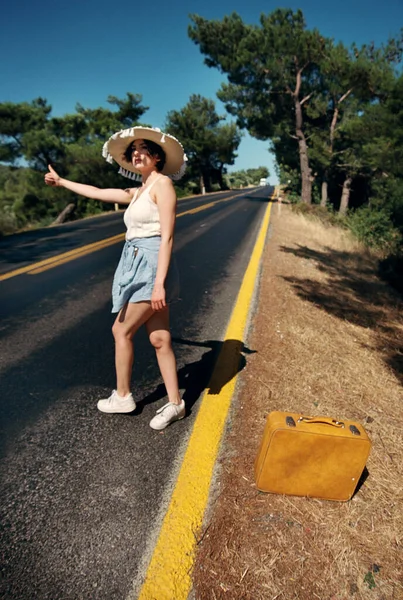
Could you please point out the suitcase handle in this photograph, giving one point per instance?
(324, 420)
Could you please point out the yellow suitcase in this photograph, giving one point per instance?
(318, 457)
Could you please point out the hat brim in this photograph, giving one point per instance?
(118, 143)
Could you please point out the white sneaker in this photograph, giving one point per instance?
(117, 404)
(168, 414)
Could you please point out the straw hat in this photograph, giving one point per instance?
(115, 148)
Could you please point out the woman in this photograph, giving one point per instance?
(144, 283)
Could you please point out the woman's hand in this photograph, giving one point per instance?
(52, 178)
(158, 297)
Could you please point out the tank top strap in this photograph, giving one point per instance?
(151, 184)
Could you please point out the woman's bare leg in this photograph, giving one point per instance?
(158, 331)
(128, 321)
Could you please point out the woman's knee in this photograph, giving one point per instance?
(120, 332)
(160, 339)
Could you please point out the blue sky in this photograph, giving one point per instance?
(70, 51)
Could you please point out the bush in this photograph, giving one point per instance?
(189, 189)
(325, 215)
(30, 209)
(8, 222)
(295, 199)
(391, 269)
(374, 228)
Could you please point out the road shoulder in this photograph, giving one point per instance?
(326, 334)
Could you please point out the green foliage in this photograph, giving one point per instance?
(29, 209)
(290, 181)
(272, 71)
(369, 579)
(373, 227)
(73, 145)
(17, 121)
(325, 215)
(24, 200)
(314, 98)
(209, 144)
(28, 131)
(285, 83)
(391, 269)
(129, 110)
(261, 63)
(8, 219)
(186, 189)
(387, 193)
(244, 178)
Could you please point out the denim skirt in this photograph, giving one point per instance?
(135, 274)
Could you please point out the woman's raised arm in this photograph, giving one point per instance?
(111, 195)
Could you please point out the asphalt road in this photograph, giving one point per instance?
(82, 494)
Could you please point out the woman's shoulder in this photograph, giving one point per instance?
(164, 181)
(163, 189)
(163, 185)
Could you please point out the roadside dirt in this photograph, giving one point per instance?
(327, 336)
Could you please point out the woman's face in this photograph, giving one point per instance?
(141, 157)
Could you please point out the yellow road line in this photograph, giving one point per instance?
(55, 261)
(70, 255)
(193, 211)
(169, 573)
(84, 250)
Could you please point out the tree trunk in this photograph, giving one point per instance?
(220, 178)
(64, 214)
(345, 195)
(333, 128)
(324, 196)
(202, 184)
(306, 173)
(336, 111)
(205, 179)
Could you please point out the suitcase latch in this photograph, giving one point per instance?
(354, 430)
(290, 422)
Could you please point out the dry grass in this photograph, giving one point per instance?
(328, 341)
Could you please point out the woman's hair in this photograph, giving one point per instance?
(153, 150)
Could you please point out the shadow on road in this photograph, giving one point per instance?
(217, 366)
(259, 198)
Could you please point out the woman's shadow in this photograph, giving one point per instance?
(212, 372)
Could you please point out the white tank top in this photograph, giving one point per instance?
(142, 217)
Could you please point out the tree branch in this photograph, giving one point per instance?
(345, 96)
(297, 84)
(333, 127)
(306, 98)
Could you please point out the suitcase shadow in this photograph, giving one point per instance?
(216, 367)
(361, 481)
